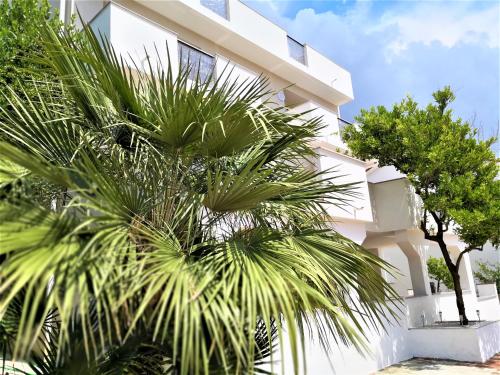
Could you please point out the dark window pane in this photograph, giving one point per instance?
(196, 62)
(217, 6)
(296, 50)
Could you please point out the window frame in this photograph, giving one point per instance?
(198, 50)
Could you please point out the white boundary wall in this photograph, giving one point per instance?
(385, 349)
(401, 342)
(461, 344)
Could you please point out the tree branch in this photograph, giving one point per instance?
(468, 249)
(438, 221)
(446, 226)
(427, 234)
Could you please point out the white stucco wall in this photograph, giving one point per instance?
(135, 38)
(398, 343)
(394, 204)
(87, 9)
(382, 174)
(355, 231)
(384, 349)
(330, 133)
(461, 344)
(400, 280)
(348, 170)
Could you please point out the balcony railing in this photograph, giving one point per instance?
(296, 50)
(217, 6)
(342, 125)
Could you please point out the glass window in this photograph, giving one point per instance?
(196, 61)
(216, 6)
(296, 50)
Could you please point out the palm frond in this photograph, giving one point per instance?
(191, 233)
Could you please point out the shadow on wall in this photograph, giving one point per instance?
(489, 341)
(394, 345)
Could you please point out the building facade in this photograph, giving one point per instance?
(227, 35)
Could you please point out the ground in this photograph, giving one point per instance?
(423, 366)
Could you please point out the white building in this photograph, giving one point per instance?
(384, 219)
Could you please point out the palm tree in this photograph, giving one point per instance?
(189, 229)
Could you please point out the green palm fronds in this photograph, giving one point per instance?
(189, 231)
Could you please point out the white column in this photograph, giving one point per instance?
(418, 268)
(464, 270)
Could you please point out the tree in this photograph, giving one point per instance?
(20, 43)
(21, 66)
(488, 273)
(451, 170)
(190, 231)
(438, 271)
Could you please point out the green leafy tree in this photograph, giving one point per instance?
(191, 230)
(21, 44)
(451, 170)
(21, 66)
(438, 271)
(488, 273)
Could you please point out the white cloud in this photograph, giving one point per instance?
(426, 22)
(437, 22)
(410, 47)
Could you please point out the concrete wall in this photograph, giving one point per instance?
(354, 230)
(489, 340)
(348, 170)
(395, 206)
(431, 305)
(486, 290)
(384, 349)
(136, 38)
(397, 343)
(400, 280)
(328, 134)
(489, 307)
(461, 344)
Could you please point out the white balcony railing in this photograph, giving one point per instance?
(217, 6)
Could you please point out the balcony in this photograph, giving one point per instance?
(239, 29)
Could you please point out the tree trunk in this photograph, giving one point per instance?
(456, 281)
(459, 296)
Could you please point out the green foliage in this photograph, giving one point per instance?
(21, 43)
(439, 271)
(452, 171)
(488, 273)
(21, 66)
(190, 231)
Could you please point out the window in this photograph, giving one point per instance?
(296, 50)
(216, 6)
(196, 61)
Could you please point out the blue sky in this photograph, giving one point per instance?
(395, 48)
